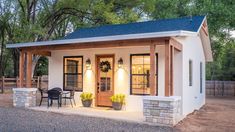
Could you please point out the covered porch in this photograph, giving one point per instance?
(171, 45)
(138, 108)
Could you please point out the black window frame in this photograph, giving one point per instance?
(68, 73)
(156, 74)
(190, 66)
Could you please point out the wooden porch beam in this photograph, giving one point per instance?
(29, 70)
(111, 44)
(152, 70)
(21, 68)
(42, 53)
(176, 44)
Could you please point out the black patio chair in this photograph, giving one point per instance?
(69, 95)
(54, 94)
(43, 93)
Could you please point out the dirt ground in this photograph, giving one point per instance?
(6, 100)
(217, 115)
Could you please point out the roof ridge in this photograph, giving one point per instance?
(156, 20)
(187, 23)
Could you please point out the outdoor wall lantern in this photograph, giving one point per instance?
(120, 63)
(88, 64)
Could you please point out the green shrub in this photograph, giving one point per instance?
(119, 98)
(86, 96)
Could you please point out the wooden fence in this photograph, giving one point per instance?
(213, 88)
(7, 84)
(220, 88)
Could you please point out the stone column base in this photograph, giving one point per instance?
(24, 97)
(164, 111)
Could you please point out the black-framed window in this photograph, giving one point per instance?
(190, 73)
(140, 74)
(73, 73)
(201, 75)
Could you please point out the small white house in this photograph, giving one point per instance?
(158, 64)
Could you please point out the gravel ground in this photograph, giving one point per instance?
(24, 120)
(218, 115)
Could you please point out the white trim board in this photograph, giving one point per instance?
(105, 38)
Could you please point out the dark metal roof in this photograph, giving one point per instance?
(191, 24)
(159, 28)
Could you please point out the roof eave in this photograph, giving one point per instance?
(105, 38)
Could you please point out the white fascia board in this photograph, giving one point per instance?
(105, 38)
(198, 30)
(187, 33)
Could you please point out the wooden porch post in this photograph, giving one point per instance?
(170, 47)
(172, 70)
(152, 70)
(29, 70)
(21, 68)
(167, 68)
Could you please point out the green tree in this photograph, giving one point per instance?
(220, 15)
(40, 20)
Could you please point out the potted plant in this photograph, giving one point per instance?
(117, 101)
(86, 99)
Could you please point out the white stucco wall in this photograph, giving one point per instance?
(191, 97)
(177, 72)
(121, 77)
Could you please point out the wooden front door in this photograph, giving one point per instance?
(105, 79)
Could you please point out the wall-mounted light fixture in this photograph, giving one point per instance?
(120, 63)
(88, 64)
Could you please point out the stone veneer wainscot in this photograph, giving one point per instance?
(162, 110)
(24, 97)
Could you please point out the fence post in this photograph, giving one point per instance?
(38, 81)
(17, 83)
(3, 83)
(234, 88)
(222, 88)
(214, 87)
(234, 91)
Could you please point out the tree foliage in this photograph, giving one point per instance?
(40, 20)
(221, 21)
